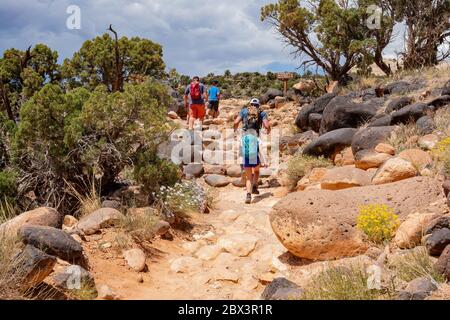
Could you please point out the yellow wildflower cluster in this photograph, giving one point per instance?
(378, 222)
(442, 147)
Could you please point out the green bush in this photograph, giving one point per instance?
(153, 173)
(8, 186)
(78, 135)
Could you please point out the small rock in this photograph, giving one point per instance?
(385, 148)
(395, 169)
(191, 247)
(140, 278)
(224, 274)
(162, 227)
(77, 238)
(418, 289)
(240, 245)
(229, 216)
(438, 241)
(208, 253)
(282, 289)
(106, 293)
(215, 169)
(186, 265)
(112, 204)
(234, 171)
(135, 259)
(173, 115)
(217, 181)
(70, 221)
(428, 142)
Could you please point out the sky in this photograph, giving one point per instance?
(198, 36)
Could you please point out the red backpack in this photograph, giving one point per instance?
(196, 92)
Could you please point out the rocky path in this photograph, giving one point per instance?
(234, 259)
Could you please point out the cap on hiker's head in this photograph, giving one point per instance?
(196, 78)
(215, 82)
(255, 102)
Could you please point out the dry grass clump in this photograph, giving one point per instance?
(139, 226)
(404, 137)
(416, 264)
(9, 276)
(301, 165)
(341, 283)
(89, 202)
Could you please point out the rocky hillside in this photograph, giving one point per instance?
(357, 209)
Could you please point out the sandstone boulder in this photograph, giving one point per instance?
(321, 225)
(47, 217)
(428, 142)
(100, 219)
(369, 159)
(412, 230)
(344, 178)
(393, 170)
(417, 157)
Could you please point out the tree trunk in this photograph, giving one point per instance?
(118, 79)
(6, 102)
(381, 64)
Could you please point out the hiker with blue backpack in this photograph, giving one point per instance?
(253, 119)
(214, 96)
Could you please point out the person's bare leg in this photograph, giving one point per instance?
(249, 184)
(191, 123)
(255, 180)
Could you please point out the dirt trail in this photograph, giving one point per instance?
(226, 277)
(240, 252)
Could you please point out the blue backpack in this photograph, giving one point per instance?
(250, 148)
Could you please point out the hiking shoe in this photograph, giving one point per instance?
(249, 199)
(255, 191)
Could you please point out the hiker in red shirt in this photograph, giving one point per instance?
(194, 99)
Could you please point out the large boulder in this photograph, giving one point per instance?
(344, 178)
(342, 113)
(32, 266)
(411, 113)
(370, 159)
(48, 217)
(52, 241)
(370, 138)
(426, 125)
(270, 95)
(72, 278)
(381, 121)
(417, 157)
(410, 233)
(393, 170)
(317, 107)
(331, 143)
(100, 219)
(321, 224)
(398, 104)
(443, 264)
(193, 170)
(440, 102)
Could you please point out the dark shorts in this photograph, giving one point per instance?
(248, 164)
(214, 106)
